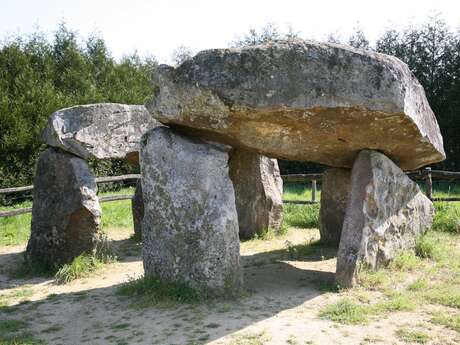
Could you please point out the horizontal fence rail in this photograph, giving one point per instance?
(426, 175)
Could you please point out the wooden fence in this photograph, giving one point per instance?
(426, 175)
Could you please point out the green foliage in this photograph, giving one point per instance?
(405, 261)
(301, 216)
(447, 217)
(412, 337)
(80, 267)
(38, 77)
(152, 291)
(345, 311)
(450, 321)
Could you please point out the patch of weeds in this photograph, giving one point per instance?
(151, 291)
(449, 321)
(311, 249)
(301, 216)
(6, 298)
(374, 280)
(427, 247)
(120, 326)
(345, 311)
(412, 337)
(405, 261)
(447, 295)
(447, 217)
(250, 339)
(418, 285)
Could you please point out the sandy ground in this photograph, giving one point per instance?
(281, 308)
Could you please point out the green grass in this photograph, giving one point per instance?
(301, 216)
(412, 337)
(447, 217)
(16, 230)
(151, 291)
(299, 191)
(448, 320)
(80, 267)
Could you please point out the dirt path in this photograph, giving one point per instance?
(282, 308)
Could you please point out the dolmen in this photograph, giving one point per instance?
(361, 113)
(207, 145)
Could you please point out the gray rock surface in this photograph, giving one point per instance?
(105, 130)
(258, 192)
(137, 208)
(335, 190)
(190, 226)
(66, 215)
(386, 212)
(302, 100)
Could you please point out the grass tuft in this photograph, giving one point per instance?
(412, 337)
(447, 217)
(449, 321)
(151, 291)
(301, 216)
(345, 311)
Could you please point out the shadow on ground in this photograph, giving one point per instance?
(277, 281)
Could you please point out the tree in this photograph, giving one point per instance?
(358, 39)
(181, 54)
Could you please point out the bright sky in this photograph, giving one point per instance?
(158, 27)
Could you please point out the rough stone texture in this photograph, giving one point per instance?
(137, 207)
(190, 226)
(106, 130)
(335, 189)
(386, 212)
(258, 192)
(302, 100)
(66, 214)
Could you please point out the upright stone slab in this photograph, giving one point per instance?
(386, 212)
(66, 215)
(335, 190)
(302, 100)
(258, 192)
(137, 207)
(103, 130)
(190, 226)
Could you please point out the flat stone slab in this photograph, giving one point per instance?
(386, 212)
(190, 224)
(302, 100)
(105, 130)
(258, 192)
(335, 190)
(66, 214)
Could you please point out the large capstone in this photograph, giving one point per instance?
(66, 215)
(105, 130)
(386, 212)
(190, 225)
(137, 208)
(258, 192)
(302, 100)
(335, 189)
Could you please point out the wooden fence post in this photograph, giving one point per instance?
(428, 183)
(313, 190)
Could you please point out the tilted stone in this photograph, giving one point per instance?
(190, 225)
(258, 192)
(335, 190)
(302, 100)
(137, 208)
(386, 212)
(105, 130)
(66, 215)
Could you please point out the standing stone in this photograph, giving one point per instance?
(386, 212)
(258, 192)
(66, 215)
(190, 226)
(104, 130)
(335, 189)
(302, 100)
(137, 207)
